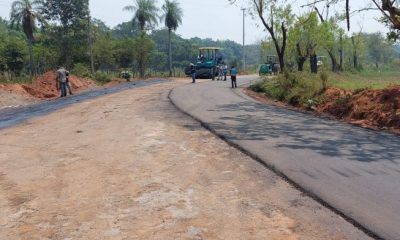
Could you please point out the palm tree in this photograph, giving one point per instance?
(26, 12)
(172, 18)
(145, 13)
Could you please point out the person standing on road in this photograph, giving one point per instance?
(62, 81)
(233, 76)
(193, 72)
(68, 84)
(225, 71)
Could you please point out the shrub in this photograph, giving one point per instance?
(81, 70)
(102, 77)
(258, 87)
(125, 75)
(298, 89)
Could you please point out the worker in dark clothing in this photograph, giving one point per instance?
(62, 81)
(234, 73)
(68, 84)
(193, 72)
(225, 71)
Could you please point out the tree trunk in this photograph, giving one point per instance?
(141, 69)
(355, 61)
(300, 63)
(314, 63)
(341, 54)
(334, 61)
(355, 55)
(169, 52)
(65, 48)
(300, 58)
(270, 28)
(283, 48)
(30, 57)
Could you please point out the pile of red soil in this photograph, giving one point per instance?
(44, 87)
(372, 108)
(333, 102)
(377, 109)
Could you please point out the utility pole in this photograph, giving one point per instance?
(90, 41)
(244, 39)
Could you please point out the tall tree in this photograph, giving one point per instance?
(304, 37)
(73, 16)
(143, 47)
(276, 16)
(26, 12)
(332, 34)
(358, 49)
(172, 18)
(145, 13)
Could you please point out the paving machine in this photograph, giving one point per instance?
(208, 62)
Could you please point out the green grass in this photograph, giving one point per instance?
(305, 89)
(14, 80)
(298, 89)
(366, 79)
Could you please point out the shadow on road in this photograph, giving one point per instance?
(294, 130)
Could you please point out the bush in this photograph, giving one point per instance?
(102, 77)
(125, 75)
(298, 89)
(306, 88)
(81, 70)
(258, 87)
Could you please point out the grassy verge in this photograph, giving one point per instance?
(8, 79)
(298, 89)
(362, 80)
(305, 89)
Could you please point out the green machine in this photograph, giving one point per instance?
(268, 68)
(208, 62)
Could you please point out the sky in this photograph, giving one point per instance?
(215, 19)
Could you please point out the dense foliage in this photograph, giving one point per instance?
(112, 49)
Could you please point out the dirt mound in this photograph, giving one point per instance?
(333, 102)
(45, 85)
(374, 108)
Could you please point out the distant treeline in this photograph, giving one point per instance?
(111, 49)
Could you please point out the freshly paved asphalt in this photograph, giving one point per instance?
(354, 170)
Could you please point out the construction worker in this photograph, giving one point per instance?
(234, 73)
(61, 79)
(219, 73)
(193, 72)
(68, 84)
(225, 71)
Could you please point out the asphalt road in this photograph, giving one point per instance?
(354, 170)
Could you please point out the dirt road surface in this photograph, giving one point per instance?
(131, 166)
